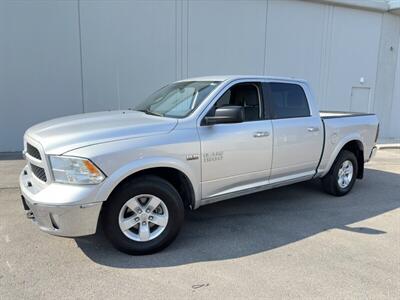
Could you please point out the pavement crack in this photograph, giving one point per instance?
(9, 188)
(198, 286)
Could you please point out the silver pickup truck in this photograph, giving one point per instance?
(191, 143)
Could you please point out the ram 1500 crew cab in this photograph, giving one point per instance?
(193, 142)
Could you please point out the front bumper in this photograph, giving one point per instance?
(69, 214)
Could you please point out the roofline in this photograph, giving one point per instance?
(222, 78)
(391, 6)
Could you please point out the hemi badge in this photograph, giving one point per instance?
(192, 156)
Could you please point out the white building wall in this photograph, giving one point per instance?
(65, 57)
(225, 38)
(394, 131)
(385, 98)
(353, 52)
(295, 43)
(128, 50)
(39, 66)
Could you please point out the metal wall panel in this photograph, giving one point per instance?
(353, 54)
(385, 78)
(394, 127)
(40, 65)
(295, 41)
(128, 50)
(226, 37)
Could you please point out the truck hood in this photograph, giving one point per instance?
(61, 135)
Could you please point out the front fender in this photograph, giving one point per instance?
(135, 166)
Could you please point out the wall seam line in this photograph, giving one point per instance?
(181, 41)
(377, 71)
(389, 115)
(321, 76)
(265, 37)
(176, 40)
(80, 54)
(329, 51)
(187, 38)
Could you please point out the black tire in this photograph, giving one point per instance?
(143, 185)
(330, 180)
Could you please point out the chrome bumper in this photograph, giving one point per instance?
(70, 217)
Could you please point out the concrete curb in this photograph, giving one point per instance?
(388, 146)
(10, 155)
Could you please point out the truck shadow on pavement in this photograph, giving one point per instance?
(261, 222)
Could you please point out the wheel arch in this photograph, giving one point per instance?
(174, 176)
(174, 172)
(353, 144)
(356, 147)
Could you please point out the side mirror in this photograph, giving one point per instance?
(226, 114)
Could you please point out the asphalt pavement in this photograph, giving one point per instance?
(291, 242)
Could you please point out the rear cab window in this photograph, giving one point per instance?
(285, 100)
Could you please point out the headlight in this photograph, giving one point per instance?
(75, 170)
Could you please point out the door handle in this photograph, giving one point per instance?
(312, 129)
(261, 134)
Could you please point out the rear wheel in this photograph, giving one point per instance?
(342, 175)
(143, 216)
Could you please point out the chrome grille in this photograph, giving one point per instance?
(37, 163)
(33, 151)
(39, 172)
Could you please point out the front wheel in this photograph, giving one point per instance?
(342, 175)
(143, 216)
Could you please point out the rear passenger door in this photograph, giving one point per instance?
(298, 135)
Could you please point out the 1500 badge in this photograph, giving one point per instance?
(213, 156)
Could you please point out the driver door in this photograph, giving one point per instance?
(237, 156)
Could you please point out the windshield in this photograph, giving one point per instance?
(178, 99)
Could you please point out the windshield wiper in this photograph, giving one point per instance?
(149, 112)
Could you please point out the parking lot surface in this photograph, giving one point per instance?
(291, 242)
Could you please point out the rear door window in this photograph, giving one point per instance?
(285, 100)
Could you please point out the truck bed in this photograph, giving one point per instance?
(324, 114)
(341, 127)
